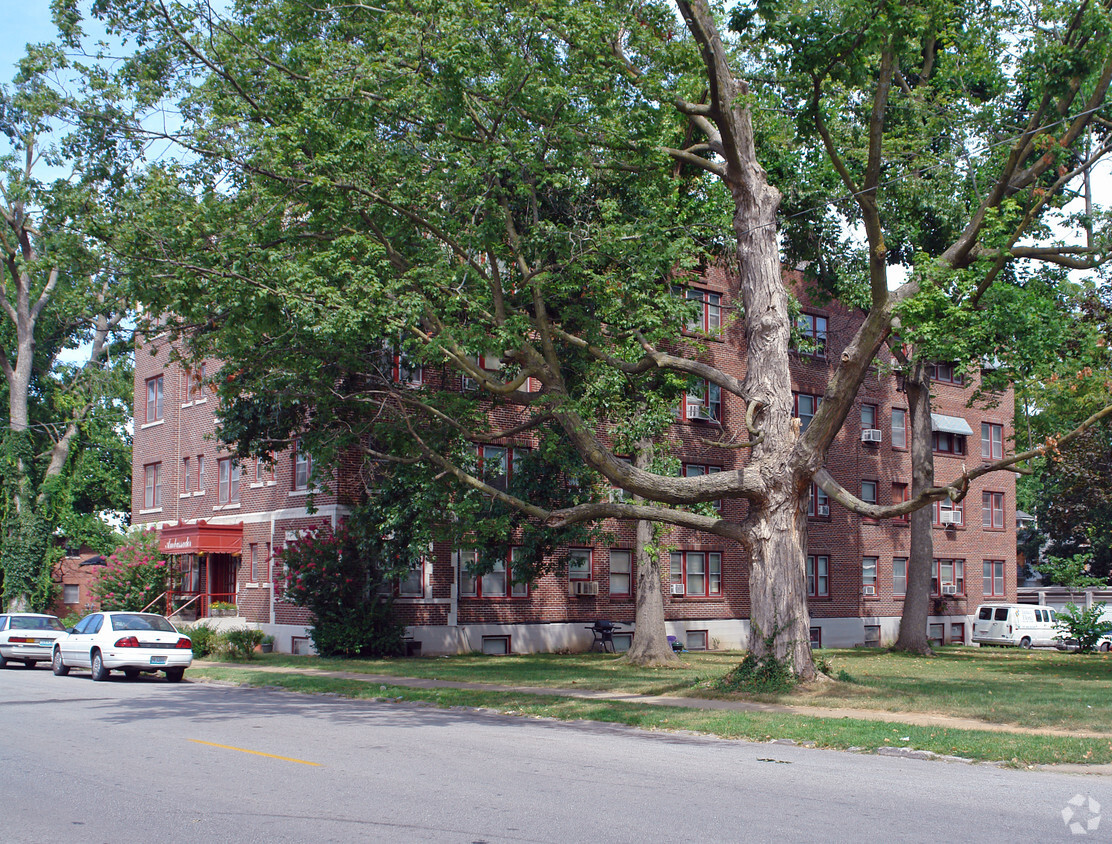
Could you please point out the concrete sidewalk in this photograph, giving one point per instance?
(916, 718)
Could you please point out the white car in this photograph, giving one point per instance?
(27, 637)
(131, 642)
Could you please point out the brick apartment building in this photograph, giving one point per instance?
(222, 522)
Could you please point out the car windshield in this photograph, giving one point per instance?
(36, 623)
(142, 622)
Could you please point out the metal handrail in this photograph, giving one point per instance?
(155, 601)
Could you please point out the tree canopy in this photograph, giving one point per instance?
(364, 189)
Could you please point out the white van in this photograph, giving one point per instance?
(1015, 624)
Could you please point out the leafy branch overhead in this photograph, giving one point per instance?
(509, 197)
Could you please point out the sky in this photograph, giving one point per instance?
(25, 22)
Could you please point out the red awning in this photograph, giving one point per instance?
(201, 536)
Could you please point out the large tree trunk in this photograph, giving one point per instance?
(913, 623)
(778, 583)
(650, 639)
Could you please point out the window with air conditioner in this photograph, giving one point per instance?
(868, 575)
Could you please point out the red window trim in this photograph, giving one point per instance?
(712, 410)
(936, 576)
(707, 299)
(155, 399)
(807, 325)
(706, 593)
(627, 595)
(479, 596)
(993, 510)
(992, 593)
(152, 485)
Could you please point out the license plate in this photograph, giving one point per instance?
(158, 660)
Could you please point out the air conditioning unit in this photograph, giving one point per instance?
(677, 589)
(469, 383)
(584, 587)
(868, 590)
(870, 435)
(949, 589)
(949, 517)
(823, 510)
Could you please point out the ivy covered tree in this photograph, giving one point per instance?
(64, 453)
(369, 188)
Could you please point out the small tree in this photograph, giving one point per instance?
(1085, 626)
(330, 574)
(136, 575)
(1072, 572)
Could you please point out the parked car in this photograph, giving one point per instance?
(132, 642)
(1104, 643)
(1015, 624)
(27, 637)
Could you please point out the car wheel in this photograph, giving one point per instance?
(28, 663)
(1104, 646)
(131, 673)
(3, 661)
(96, 667)
(60, 668)
(174, 675)
(1025, 642)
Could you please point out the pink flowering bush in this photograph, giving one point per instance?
(135, 575)
(334, 576)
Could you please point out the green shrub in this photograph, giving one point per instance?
(242, 641)
(1085, 626)
(766, 675)
(206, 640)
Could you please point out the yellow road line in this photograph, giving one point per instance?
(256, 753)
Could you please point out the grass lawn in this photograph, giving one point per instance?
(1029, 688)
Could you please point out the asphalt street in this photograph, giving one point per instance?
(149, 761)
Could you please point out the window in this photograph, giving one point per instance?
(900, 494)
(868, 417)
(195, 382)
(818, 576)
(899, 427)
(899, 576)
(496, 645)
(696, 470)
(186, 475)
(948, 573)
(703, 402)
(696, 640)
(993, 585)
(992, 510)
(621, 573)
(496, 583)
(709, 318)
(957, 633)
(946, 373)
(154, 398)
(818, 503)
(813, 331)
(992, 441)
(868, 575)
(302, 467)
(699, 572)
(935, 633)
(71, 593)
(944, 442)
(254, 562)
(498, 464)
(805, 407)
(200, 473)
(949, 513)
(412, 585)
(152, 486)
(868, 495)
(228, 482)
(398, 367)
(579, 564)
(264, 470)
(816, 637)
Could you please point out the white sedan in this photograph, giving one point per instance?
(27, 637)
(131, 642)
